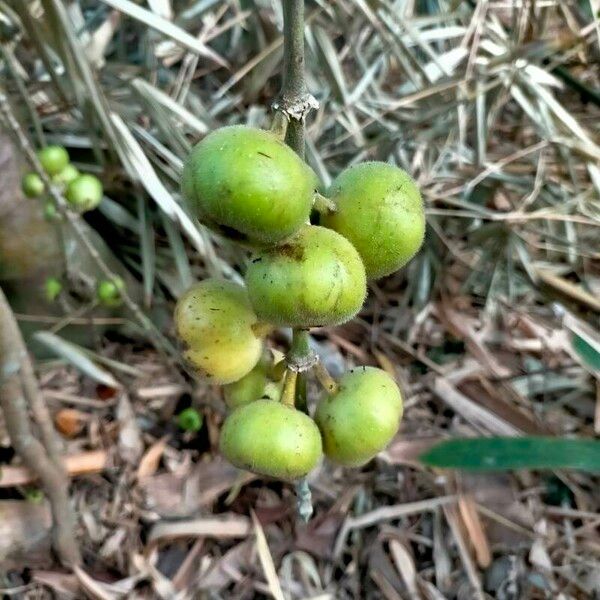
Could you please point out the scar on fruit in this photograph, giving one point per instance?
(291, 251)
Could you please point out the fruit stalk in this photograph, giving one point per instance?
(295, 103)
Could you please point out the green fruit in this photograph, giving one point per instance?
(361, 418)
(50, 210)
(84, 193)
(108, 292)
(52, 288)
(68, 174)
(271, 439)
(190, 420)
(219, 330)
(54, 159)
(32, 185)
(378, 207)
(316, 278)
(248, 185)
(254, 386)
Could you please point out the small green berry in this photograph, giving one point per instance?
(84, 193)
(54, 159)
(68, 174)
(190, 420)
(34, 495)
(52, 288)
(50, 211)
(108, 292)
(32, 185)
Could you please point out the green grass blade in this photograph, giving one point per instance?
(505, 454)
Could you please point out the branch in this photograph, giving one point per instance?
(16, 381)
(294, 101)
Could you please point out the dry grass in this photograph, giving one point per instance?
(494, 107)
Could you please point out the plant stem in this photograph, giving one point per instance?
(19, 393)
(294, 85)
(295, 103)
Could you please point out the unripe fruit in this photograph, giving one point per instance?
(190, 420)
(32, 185)
(254, 386)
(52, 288)
(316, 278)
(84, 193)
(248, 185)
(219, 330)
(108, 292)
(378, 207)
(361, 418)
(54, 159)
(68, 174)
(270, 438)
(50, 211)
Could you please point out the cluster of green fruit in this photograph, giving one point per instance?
(82, 191)
(249, 186)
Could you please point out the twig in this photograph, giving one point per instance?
(294, 101)
(17, 383)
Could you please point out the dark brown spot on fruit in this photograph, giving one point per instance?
(291, 251)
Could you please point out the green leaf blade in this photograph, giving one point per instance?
(505, 454)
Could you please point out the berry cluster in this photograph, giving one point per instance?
(82, 191)
(247, 185)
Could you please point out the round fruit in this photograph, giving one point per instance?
(248, 185)
(54, 159)
(218, 328)
(108, 292)
(254, 386)
(316, 278)
(32, 185)
(361, 418)
(84, 193)
(50, 210)
(190, 420)
(68, 174)
(52, 288)
(378, 207)
(270, 438)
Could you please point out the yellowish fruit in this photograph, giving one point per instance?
(219, 330)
